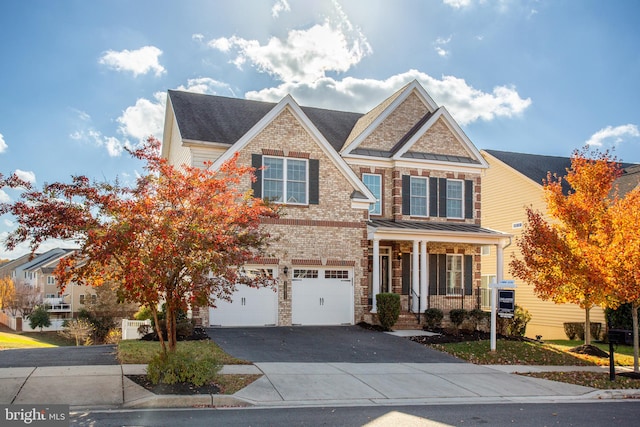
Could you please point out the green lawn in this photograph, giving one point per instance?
(32, 340)
(140, 352)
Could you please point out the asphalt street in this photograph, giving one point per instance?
(59, 356)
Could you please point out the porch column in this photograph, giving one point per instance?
(424, 293)
(415, 289)
(375, 275)
(499, 262)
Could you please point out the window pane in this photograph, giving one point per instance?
(374, 184)
(418, 196)
(454, 199)
(273, 176)
(296, 181)
(454, 274)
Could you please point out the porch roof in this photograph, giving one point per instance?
(389, 229)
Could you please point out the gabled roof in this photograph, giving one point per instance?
(370, 121)
(289, 103)
(536, 167)
(46, 258)
(220, 119)
(533, 166)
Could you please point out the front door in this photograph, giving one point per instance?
(385, 271)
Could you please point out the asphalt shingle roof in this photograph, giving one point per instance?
(225, 120)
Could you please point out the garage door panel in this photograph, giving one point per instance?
(249, 307)
(317, 300)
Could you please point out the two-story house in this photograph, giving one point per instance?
(387, 201)
(514, 182)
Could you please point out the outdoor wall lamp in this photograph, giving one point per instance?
(285, 270)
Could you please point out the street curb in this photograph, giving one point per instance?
(174, 401)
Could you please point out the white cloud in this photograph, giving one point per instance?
(7, 222)
(4, 197)
(141, 61)
(457, 4)
(617, 133)
(198, 37)
(143, 119)
(26, 176)
(439, 43)
(207, 86)
(3, 144)
(463, 101)
(114, 146)
(305, 55)
(280, 6)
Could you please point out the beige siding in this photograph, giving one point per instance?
(178, 154)
(505, 194)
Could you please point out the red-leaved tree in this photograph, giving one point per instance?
(178, 236)
(563, 257)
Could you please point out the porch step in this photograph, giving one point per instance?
(407, 321)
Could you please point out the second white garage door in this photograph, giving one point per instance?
(322, 296)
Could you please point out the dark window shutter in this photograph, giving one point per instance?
(406, 274)
(406, 195)
(468, 199)
(433, 274)
(256, 162)
(442, 274)
(442, 199)
(314, 181)
(433, 197)
(468, 274)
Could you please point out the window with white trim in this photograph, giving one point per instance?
(455, 194)
(419, 196)
(374, 184)
(336, 274)
(305, 274)
(51, 280)
(285, 180)
(454, 275)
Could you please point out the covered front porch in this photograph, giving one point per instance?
(429, 264)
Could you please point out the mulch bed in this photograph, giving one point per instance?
(178, 388)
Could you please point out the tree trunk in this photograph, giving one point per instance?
(634, 317)
(154, 311)
(587, 326)
(171, 327)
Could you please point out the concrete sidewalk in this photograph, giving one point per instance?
(301, 384)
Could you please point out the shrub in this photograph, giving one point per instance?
(144, 313)
(478, 317)
(79, 330)
(515, 326)
(114, 336)
(39, 318)
(457, 316)
(388, 309)
(181, 366)
(575, 330)
(433, 318)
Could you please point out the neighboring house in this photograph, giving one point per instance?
(513, 182)
(37, 272)
(387, 201)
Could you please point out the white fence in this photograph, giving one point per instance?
(56, 325)
(130, 328)
(9, 320)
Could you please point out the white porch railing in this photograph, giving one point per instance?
(130, 328)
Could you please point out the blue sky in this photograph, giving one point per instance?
(82, 79)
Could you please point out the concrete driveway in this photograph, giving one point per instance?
(323, 344)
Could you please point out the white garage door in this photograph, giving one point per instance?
(249, 307)
(322, 296)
